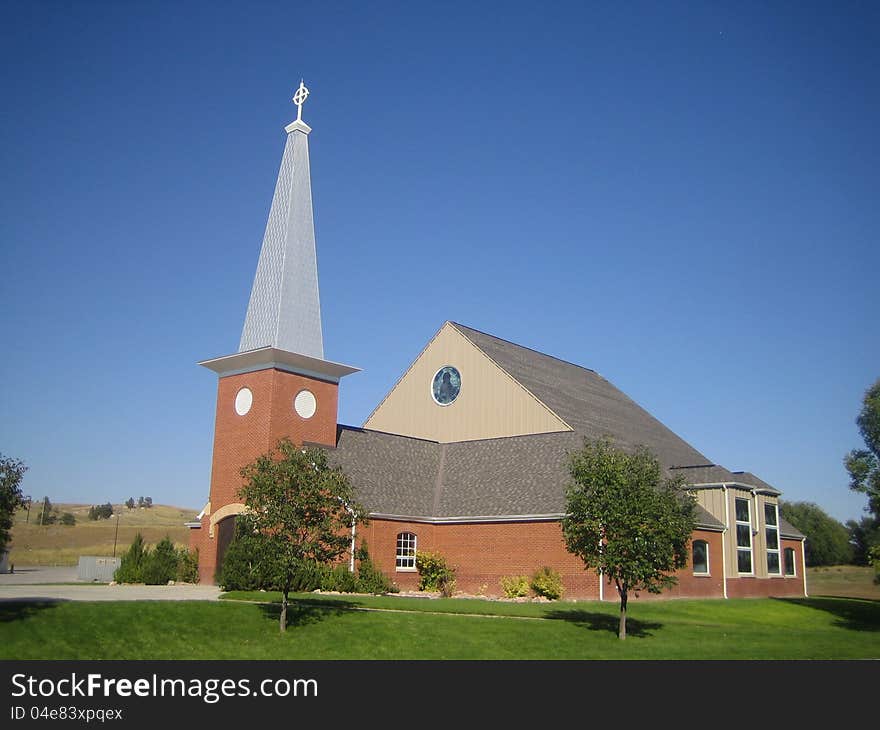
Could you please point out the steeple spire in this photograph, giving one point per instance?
(284, 311)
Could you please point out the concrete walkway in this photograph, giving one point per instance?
(29, 584)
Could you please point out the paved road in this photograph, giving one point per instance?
(26, 584)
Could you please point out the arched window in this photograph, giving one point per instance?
(406, 551)
(700, 555)
(789, 561)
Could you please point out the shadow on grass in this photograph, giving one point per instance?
(302, 611)
(18, 609)
(856, 614)
(605, 622)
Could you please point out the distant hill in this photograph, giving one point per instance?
(35, 544)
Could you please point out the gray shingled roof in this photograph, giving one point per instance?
(522, 476)
(519, 476)
(746, 477)
(585, 400)
(703, 474)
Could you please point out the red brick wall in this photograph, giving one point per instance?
(483, 553)
(238, 440)
(689, 585)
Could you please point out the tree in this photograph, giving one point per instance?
(130, 503)
(101, 511)
(148, 502)
(68, 519)
(626, 520)
(305, 506)
(47, 512)
(11, 473)
(863, 535)
(827, 539)
(863, 465)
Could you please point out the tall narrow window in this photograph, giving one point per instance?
(700, 560)
(743, 536)
(771, 529)
(789, 561)
(406, 551)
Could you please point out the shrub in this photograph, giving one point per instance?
(245, 567)
(131, 566)
(370, 579)
(340, 579)
(68, 519)
(188, 565)
(435, 574)
(160, 565)
(515, 586)
(548, 583)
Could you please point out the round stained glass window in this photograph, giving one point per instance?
(446, 385)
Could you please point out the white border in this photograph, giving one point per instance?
(397, 555)
(434, 377)
(708, 572)
(736, 537)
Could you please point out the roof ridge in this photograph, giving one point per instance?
(523, 347)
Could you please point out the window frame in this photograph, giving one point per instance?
(785, 573)
(742, 549)
(773, 528)
(406, 541)
(707, 572)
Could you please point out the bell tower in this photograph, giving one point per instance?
(278, 384)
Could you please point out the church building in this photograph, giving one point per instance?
(467, 454)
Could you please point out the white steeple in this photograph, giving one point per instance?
(284, 311)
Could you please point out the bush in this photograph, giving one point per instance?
(548, 583)
(245, 564)
(339, 579)
(160, 565)
(435, 574)
(130, 568)
(188, 565)
(515, 586)
(370, 579)
(68, 519)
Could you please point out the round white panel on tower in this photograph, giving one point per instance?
(305, 404)
(244, 399)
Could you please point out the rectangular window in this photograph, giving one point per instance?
(789, 561)
(701, 557)
(771, 529)
(406, 551)
(743, 535)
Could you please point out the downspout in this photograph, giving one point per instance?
(353, 535)
(723, 541)
(804, 566)
(601, 579)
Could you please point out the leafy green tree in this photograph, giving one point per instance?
(827, 539)
(863, 535)
(11, 473)
(863, 465)
(130, 503)
(626, 520)
(304, 505)
(148, 502)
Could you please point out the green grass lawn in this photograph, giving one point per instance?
(338, 627)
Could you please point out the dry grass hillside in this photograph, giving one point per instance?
(33, 544)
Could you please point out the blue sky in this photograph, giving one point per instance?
(681, 196)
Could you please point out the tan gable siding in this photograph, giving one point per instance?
(712, 500)
(490, 405)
